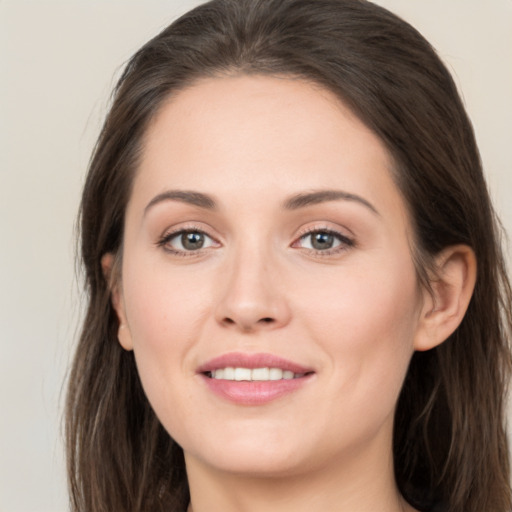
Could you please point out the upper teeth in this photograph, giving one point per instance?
(253, 374)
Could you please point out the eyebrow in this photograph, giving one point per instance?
(295, 202)
(321, 196)
(184, 196)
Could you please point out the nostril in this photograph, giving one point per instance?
(248, 324)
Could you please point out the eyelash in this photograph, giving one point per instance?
(167, 237)
(345, 242)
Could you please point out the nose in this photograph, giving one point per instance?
(252, 295)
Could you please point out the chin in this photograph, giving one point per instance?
(250, 457)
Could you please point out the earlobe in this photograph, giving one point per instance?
(116, 297)
(124, 337)
(446, 303)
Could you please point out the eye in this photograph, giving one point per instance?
(184, 241)
(324, 240)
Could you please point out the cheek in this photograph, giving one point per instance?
(376, 296)
(163, 317)
(162, 306)
(366, 321)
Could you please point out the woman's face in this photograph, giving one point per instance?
(265, 239)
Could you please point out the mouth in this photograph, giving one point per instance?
(253, 379)
(253, 374)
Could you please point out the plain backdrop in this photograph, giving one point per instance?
(58, 63)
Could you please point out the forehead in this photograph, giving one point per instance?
(257, 113)
(256, 134)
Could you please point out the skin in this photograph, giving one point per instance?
(354, 313)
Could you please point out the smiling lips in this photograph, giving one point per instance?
(255, 374)
(253, 379)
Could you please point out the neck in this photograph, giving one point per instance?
(344, 486)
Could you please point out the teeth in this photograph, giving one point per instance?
(242, 374)
(260, 374)
(275, 374)
(229, 373)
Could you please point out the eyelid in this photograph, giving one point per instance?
(172, 233)
(346, 241)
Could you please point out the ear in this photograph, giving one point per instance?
(112, 276)
(445, 305)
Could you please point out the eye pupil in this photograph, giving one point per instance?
(192, 240)
(322, 241)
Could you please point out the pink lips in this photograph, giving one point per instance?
(253, 392)
(239, 359)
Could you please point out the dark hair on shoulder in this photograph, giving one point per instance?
(450, 443)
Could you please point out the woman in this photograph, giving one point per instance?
(297, 298)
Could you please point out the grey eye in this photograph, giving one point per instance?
(192, 241)
(322, 241)
(187, 241)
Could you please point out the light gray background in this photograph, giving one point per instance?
(58, 60)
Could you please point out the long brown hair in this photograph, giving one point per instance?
(449, 440)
